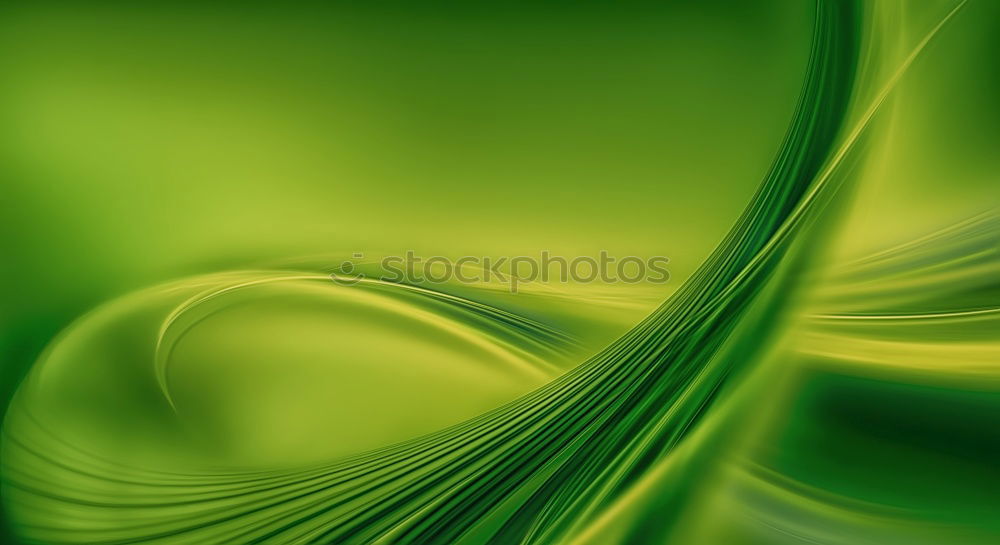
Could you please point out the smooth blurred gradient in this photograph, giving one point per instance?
(179, 181)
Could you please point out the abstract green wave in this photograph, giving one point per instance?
(796, 388)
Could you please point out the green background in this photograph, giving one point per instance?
(152, 142)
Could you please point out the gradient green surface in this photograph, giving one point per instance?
(179, 181)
